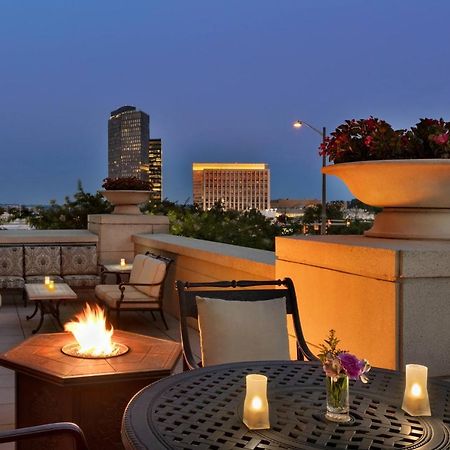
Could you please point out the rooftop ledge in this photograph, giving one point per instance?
(46, 236)
(217, 252)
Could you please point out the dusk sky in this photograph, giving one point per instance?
(222, 81)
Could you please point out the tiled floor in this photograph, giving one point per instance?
(14, 328)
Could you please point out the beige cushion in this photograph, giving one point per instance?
(110, 294)
(148, 270)
(233, 331)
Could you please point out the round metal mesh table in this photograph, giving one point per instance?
(202, 409)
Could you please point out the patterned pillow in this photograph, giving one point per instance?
(11, 261)
(79, 260)
(45, 260)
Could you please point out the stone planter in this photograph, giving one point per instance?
(126, 202)
(414, 195)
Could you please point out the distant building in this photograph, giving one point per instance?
(128, 142)
(292, 207)
(237, 186)
(155, 168)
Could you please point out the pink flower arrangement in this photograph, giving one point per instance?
(375, 139)
(337, 363)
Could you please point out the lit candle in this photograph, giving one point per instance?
(51, 285)
(46, 280)
(122, 262)
(256, 407)
(415, 399)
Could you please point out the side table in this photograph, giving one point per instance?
(116, 269)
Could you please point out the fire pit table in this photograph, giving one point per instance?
(52, 386)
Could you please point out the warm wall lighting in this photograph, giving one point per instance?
(122, 262)
(256, 407)
(46, 280)
(415, 399)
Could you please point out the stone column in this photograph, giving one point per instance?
(115, 231)
(388, 299)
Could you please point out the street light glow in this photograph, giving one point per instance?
(297, 124)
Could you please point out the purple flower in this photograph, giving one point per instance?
(354, 367)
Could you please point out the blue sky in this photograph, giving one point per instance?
(222, 80)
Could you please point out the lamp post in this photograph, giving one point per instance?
(323, 133)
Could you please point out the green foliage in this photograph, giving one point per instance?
(243, 228)
(72, 214)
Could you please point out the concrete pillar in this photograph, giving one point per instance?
(388, 299)
(115, 231)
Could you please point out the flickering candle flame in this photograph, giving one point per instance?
(415, 399)
(46, 280)
(122, 262)
(256, 407)
(51, 285)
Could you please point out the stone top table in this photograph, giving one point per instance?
(202, 409)
(52, 386)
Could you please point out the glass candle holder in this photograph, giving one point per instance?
(46, 280)
(256, 406)
(415, 398)
(122, 262)
(51, 285)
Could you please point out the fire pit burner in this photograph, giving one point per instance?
(74, 350)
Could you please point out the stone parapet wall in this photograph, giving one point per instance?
(388, 299)
(198, 260)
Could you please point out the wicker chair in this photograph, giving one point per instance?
(237, 291)
(144, 290)
(51, 429)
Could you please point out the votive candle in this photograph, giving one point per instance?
(415, 399)
(46, 280)
(122, 262)
(51, 285)
(256, 406)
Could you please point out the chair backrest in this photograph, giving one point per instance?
(150, 269)
(244, 290)
(51, 429)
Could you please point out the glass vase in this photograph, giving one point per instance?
(337, 399)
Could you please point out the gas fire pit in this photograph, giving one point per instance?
(53, 386)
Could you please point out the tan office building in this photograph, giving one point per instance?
(238, 186)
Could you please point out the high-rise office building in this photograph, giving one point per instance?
(128, 136)
(237, 186)
(155, 168)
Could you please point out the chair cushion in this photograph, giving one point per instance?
(80, 281)
(11, 282)
(148, 270)
(79, 260)
(110, 294)
(45, 260)
(233, 331)
(11, 261)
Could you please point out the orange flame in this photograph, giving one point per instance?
(91, 333)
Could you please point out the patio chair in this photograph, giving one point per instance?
(240, 321)
(142, 292)
(51, 429)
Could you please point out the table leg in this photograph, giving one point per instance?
(34, 312)
(41, 320)
(56, 315)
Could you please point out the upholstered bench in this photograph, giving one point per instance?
(75, 265)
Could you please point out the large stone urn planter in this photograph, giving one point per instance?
(414, 195)
(126, 202)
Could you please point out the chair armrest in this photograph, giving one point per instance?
(67, 428)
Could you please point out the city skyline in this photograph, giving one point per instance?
(221, 82)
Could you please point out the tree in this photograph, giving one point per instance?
(73, 214)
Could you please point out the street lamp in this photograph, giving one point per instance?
(323, 133)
